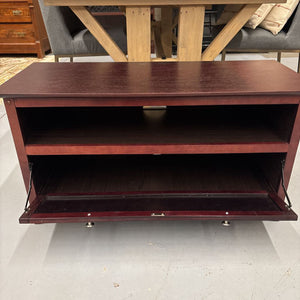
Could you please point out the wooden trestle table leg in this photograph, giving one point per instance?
(138, 25)
(190, 33)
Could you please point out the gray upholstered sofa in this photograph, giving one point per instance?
(261, 40)
(69, 37)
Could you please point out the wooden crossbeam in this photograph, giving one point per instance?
(228, 32)
(99, 33)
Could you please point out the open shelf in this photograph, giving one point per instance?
(175, 130)
(100, 188)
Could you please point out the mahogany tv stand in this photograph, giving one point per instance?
(153, 141)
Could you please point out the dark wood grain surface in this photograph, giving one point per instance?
(158, 202)
(144, 173)
(180, 125)
(153, 79)
(91, 188)
(67, 185)
(198, 129)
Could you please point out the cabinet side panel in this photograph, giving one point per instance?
(292, 150)
(19, 143)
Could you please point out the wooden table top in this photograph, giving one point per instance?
(153, 79)
(153, 2)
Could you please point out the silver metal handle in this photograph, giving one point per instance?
(20, 33)
(158, 215)
(17, 12)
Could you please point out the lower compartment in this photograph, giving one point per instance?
(145, 206)
(156, 173)
(102, 188)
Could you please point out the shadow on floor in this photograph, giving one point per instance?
(206, 242)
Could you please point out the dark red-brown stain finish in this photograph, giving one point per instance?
(96, 152)
(153, 79)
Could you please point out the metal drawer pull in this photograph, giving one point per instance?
(157, 215)
(17, 12)
(20, 34)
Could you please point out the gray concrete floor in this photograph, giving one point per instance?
(143, 260)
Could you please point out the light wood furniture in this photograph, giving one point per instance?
(21, 28)
(190, 27)
(223, 148)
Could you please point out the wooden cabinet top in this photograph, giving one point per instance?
(236, 78)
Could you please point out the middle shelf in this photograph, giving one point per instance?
(174, 130)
